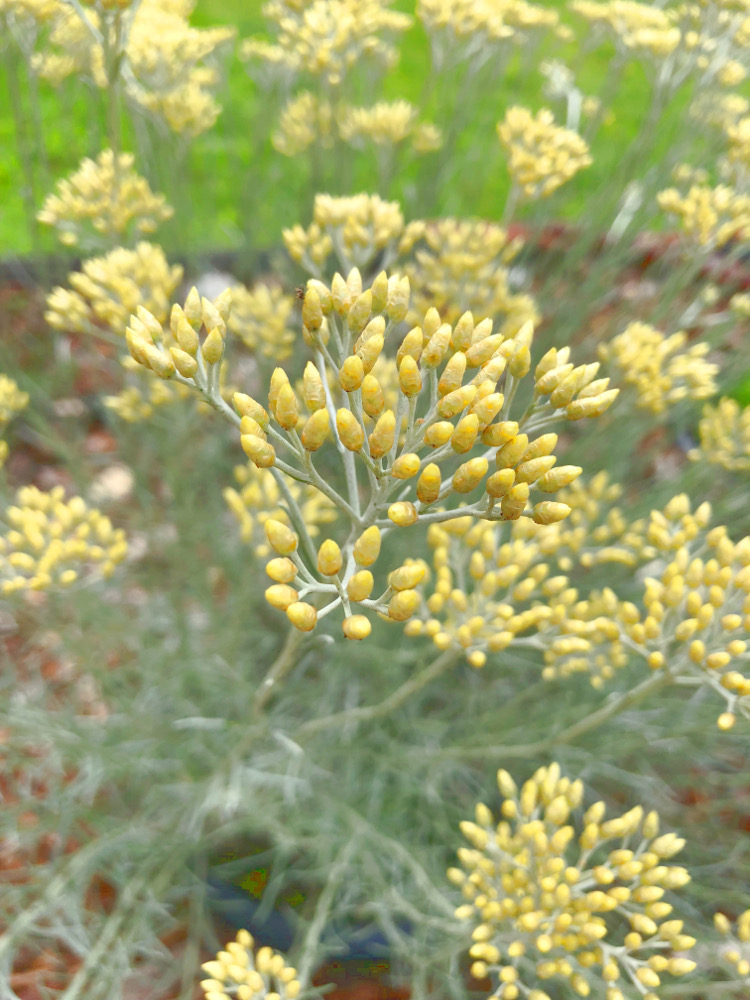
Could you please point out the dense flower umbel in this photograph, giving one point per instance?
(735, 949)
(261, 317)
(554, 893)
(725, 436)
(109, 289)
(714, 216)
(542, 155)
(107, 196)
(238, 972)
(12, 401)
(387, 123)
(662, 369)
(419, 460)
(52, 542)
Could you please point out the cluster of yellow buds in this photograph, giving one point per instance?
(473, 29)
(261, 317)
(463, 264)
(714, 216)
(259, 499)
(543, 156)
(53, 542)
(239, 972)
(724, 436)
(108, 195)
(136, 403)
(357, 228)
(735, 949)
(450, 421)
(327, 38)
(306, 120)
(109, 289)
(661, 369)
(739, 142)
(638, 27)
(556, 894)
(386, 124)
(12, 401)
(166, 65)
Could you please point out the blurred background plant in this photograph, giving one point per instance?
(492, 264)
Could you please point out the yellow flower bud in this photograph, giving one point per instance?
(383, 434)
(428, 484)
(313, 392)
(500, 482)
(356, 627)
(349, 429)
(403, 604)
(465, 435)
(282, 570)
(373, 400)
(250, 426)
(287, 410)
(278, 378)
(481, 351)
(397, 304)
(462, 333)
(258, 451)
(543, 445)
(557, 478)
(186, 365)
(403, 514)
(183, 332)
(281, 596)
(469, 475)
(380, 292)
(593, 406)
(406, 466)
(513, 503)
(212, 318)
(303, 616)
(159, 363)
(360, 585)
(411, 345)
(341, 297)
(487, 408)
(246, 406)
(409, 376)
(193, 309)
(496, 435)
(454, 402)
(520, 362)
(359, 313)
(436, 347)
(453, 374)
(280, 537)
(315, 430)
(213, 347)
(351, 373)
(529, 472)
(137, 347)
(438, 434)
(407, 577)
(312, 311)
(510, 454)
(329, 558)
(369, 351)
(549, 381)
(367, 547)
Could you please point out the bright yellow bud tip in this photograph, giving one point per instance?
(258, 451)
(409, 377)
(280, 596)
(469, 475)
(367, 546)
(287, 410)
(329, 558)
(726, 720)
(303, 616)
(406, 466)
(428, 484)
(500, 482)
(403, 514)
(356, 627)
(549, 512)
(403, 605)
(315, 430)
(407, 577)
(213, 347)
(246, 406)
(281, 570)
(351, 374)
(350, 432)
(360, 585)
(281, 538)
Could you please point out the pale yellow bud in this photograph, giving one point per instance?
(469, 475)
(499, 434)
(436, 347)
(193, 308)
(453, 374)
(184, 334)
(359, 313)
(403, 604)
(282, 570)
(411, 345)
(185, 364)
(281, 596)
(403, 514)
(487, 408)
(481, 351)
(407, 577)
(212, 348)
(379, 292)
(360, 585)
(558, 478)
(349, 430)
(514, 502)
(341, 297)
(303, 616)
(367, 547)
(280, 537)
(462, 333)
(356, 627)
(246, 406)
(373, 400)
(278, 378)
(454, 402)
(406, 466)
(511, 453)
(520, 363)
(287, 410)
(315, 430)
(529, 472)
(383, 434)
(351, 373)
(438, 434)
(137, 347)
(312, 311)
(593, 406)
(500, 482)
(329, 558)
(370, 350)
(428, 484)
(465, 435)
(397, 304)
(212, 319)
(159, 363)
(409, 376)
(258, 451)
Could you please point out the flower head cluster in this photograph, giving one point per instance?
(107, 196)
(327, 38)
(238, 972)
(165, 63)
(108, 289)
(306, 120)
(735, 949)
(259, 499)
(460, 264)
(261, 317)
(739, 142)
(660, 368)
(543, 156)
(725, 436)
(474, 29)
(554, 894)
(357, 228)
(638, 27)
(714, 216)
(420, 460)
(386, 124)
(53, 542)
(12, 401)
